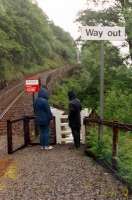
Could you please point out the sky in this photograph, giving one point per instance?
(63, 13)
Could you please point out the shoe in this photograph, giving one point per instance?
(42, 148)
(77, 147)
(71, 147)
(48, 148)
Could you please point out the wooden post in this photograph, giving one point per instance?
(9, 137)
(87, 127)
(115, 145)
(40, 84)
(101, 90)
(86, 124)
(36, 128)
(52, 132)
(100, 131)
(33, 100)
(26, 130)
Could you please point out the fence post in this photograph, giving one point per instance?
(115, 145)
(36, 128)
(58, 127)
(84, 113)
(87, 135)
(9, 136)
(26, 130)
(100, 132)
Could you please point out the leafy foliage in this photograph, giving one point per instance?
(118, 106)
(119, 13)
(104, 152)
(86, 79)
(29, 39)
(118, 86)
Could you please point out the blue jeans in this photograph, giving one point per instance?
(44, 135)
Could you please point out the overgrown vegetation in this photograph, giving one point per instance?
(118, 83)
(29, 42)
(104, 151)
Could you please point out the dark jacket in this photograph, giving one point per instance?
(42, 110)
(74, 111)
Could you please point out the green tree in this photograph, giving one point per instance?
(119, 13)
(29, 42)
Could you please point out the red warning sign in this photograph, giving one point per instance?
(32, 86)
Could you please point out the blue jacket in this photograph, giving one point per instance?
(42, 110)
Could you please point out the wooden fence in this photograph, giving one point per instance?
(116, 127)
(29, 129)
(60, 132)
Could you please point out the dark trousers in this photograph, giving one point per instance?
(44, 136)
(76, 136)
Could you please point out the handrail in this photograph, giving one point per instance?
(22, 118)
(10, 105)
(123, 126)
(116, 126)
(26, 132)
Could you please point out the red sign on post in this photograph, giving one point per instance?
(32, 86)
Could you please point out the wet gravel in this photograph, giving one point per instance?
(60, 174)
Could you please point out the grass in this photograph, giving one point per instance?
(104, 151)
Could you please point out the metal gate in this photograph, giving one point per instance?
(26, 131)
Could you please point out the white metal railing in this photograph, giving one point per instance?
(63, 131)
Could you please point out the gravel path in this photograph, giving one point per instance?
(60, 174)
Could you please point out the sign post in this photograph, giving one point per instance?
(32, 86)
(102, 33)
(101, 88)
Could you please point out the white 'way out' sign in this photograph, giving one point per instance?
(102, 33)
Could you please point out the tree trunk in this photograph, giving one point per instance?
(124, 4)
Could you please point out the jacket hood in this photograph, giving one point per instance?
(43, 93)
(71, 95)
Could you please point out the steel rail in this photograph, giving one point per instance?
(17, 97)
(46, 79)
(10, 90)
(10, 105)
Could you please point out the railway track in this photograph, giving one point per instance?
(16, 103)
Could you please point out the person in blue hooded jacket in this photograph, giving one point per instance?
(43, 116)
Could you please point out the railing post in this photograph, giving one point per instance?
(9, 137)
(84, 114)
(26, 130)
(36, 128)
(115, 145)
(58, 127)
(100, 132)
(87, 135)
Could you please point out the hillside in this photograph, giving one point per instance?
(29, 42)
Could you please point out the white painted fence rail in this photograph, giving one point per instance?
(63, 131)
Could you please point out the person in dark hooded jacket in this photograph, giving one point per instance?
(43, 116)
(74, 117)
